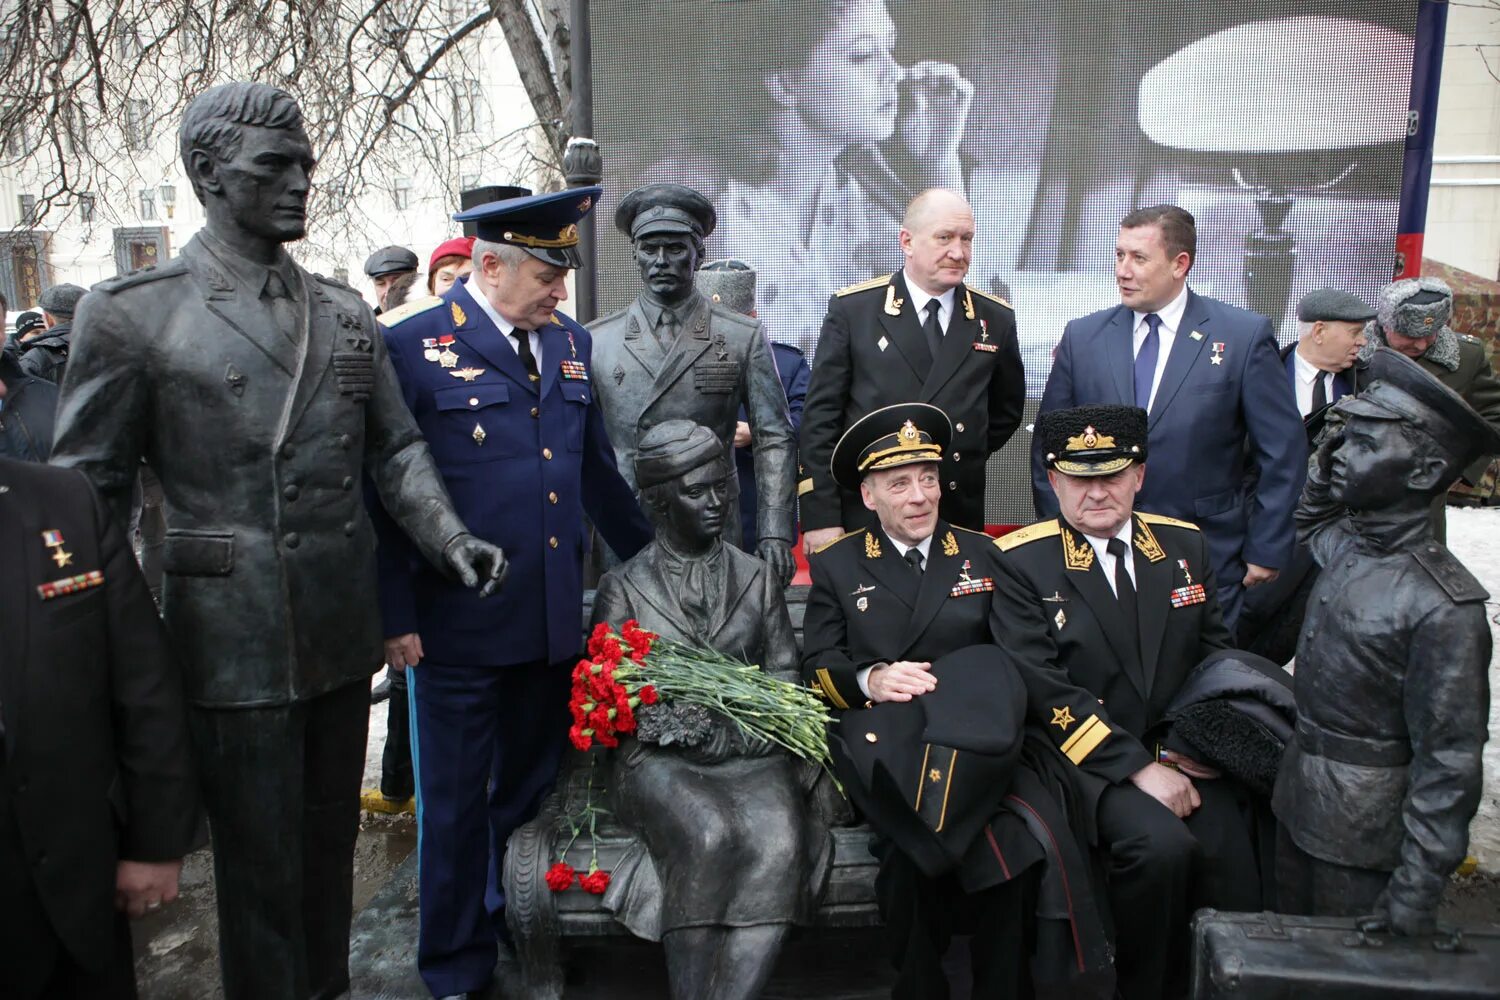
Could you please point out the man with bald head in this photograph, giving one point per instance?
(919, 335)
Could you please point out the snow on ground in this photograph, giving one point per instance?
(1474, 536)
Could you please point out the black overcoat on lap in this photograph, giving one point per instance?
(96, 758)
(868, 358)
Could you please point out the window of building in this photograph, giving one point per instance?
(468, 106)
(137, 124)
(86, 208)
(130, 43)
(402, 193)
(148, 204)
(75, 128)
(27, 205)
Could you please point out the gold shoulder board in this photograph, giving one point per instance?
(829, 545)
(407, 310)
(1030, 533)
(1163, 519)
(879, 282)
(992, 298)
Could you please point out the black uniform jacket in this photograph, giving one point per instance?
(97, 761)
(867, 357)
(1060, 622)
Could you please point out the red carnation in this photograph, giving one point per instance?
(596, 639)
(648, 695)
(612, 650)
(595, 881)
(607, 740)
(560, 876)
(581, 739)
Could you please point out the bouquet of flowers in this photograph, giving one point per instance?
(631, 668)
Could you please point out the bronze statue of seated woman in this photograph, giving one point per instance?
(732, 854)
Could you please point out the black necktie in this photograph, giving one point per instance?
(914, 558)
(1320, 393)
(523, 351)
(1125, 592)
(930, 328)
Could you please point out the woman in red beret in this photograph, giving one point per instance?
(450, 263)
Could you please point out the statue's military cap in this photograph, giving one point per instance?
(1332, 304)
(1400, 389)
(61, 300)
(390, 260)
(1415, 307)
(28, 321)
(728, 283)
(544, 225)
(1093, 440)
(888, 438)
(665, 208)
(674, 448)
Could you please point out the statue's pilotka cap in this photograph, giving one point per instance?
(665, 208)
(1402, 390)
(1093, 440)
(29, 321)
(544, 225)
(1416, 308)
(1333, 305)
(673, 448)
(889, 438)
(728, 283)
(61, 300)
(390, 260)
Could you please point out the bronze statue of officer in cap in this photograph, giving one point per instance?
(1376, 793)
(673, 355)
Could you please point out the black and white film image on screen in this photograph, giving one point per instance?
(810, 124)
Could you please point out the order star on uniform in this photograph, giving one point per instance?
(501, 386)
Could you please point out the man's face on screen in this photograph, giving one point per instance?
(846, 89)
(1147, 276)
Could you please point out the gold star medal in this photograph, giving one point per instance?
(53, 539)
(1062, 718)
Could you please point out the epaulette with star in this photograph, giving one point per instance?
(1164, 519)
(407, 310)
(1030, 533)
(879, 282)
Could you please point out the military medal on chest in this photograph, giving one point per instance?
(54, 541)
(967, 584)
(1190, 593)
(446, 355)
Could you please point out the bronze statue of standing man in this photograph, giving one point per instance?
(673, 355)
(260, 395)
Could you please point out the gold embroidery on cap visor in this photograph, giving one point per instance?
(905, 447)
(567, 236)
(1091, 468)
(1089, 441)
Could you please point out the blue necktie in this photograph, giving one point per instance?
(1145, 362)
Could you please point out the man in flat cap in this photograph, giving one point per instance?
(1106, 611)
(387, 266)
(731, 283)
(672, 354)
(46, 353)
(504, 389)
(1331, 327)
(1376, 792)
(261, 395)
(1412, 318)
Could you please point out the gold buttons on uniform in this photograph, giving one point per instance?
(959, 427)
(535, 412)
(953, 486)
(547, 454)
(552, 497)
(473, 400)
(552, 541)
(871, 738)
(955, 456)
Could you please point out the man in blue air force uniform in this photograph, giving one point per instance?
(502, 387)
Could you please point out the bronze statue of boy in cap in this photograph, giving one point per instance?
(1376, 793)
(674, 355)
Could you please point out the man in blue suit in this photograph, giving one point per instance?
(1227, 448)
(502, 387)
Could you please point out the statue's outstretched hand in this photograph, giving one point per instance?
(778, 555)
(476, 563)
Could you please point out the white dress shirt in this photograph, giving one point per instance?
(1171, 317)
(1307, 379)
(504, 325)
(863, 677)
(1107, 561)
(919, 300)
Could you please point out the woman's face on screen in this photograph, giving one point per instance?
(847, 87)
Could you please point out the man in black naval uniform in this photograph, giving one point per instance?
(1377, 791)
(894, 610)
(1105, 612)
(919, 334)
